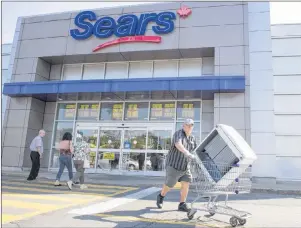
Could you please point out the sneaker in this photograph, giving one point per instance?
(75, 183)
(160, 201)
(69, 184)
(82, 186)
(57, 183)
(183, 207)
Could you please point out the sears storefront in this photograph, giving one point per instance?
(124, 78)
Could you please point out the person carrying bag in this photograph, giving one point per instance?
(81, 159)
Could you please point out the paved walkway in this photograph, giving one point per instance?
(40, 204)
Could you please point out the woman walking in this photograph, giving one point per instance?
(66, 150)
(81, 156)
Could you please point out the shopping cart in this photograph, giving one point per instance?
(212, 180)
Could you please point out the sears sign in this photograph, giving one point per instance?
(129, 28)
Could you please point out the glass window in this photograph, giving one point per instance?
(189, 94)
(109, 139)
(90, 136)
(163, 95)
(189, 109)
(190, 68)
(141, 70)
(72, 72)
(89, 96)
(165, 69)
(159, 139)
(55, 163)
(133, 161)
(5, 61)
(67, 97)
(87, 111)
(93, 71)
(116, 70)
(135, 139)
(162, 111)
(196, 132)
(155, 162)
(111, 111)
(108, 160)
(136, 111)
(137, 95)
(66, 111)
(112, 96)
(60, 129)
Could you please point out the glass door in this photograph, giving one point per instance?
(109, 149)
(90, 135)
(134, 150)
(158, 144)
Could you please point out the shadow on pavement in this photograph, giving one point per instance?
(135, 218)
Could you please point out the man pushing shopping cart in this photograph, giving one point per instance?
(221, 166)
(178, 164)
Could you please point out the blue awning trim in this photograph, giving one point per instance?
(207, 83)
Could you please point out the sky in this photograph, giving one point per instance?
(281, 12)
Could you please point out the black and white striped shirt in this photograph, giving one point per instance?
(176, 158)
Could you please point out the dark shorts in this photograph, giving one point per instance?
(173, 176)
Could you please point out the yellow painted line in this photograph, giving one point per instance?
(131, 218)
(54, 187)
(42, 197)
(63, 182)
(6, 218)
(28, 205)
(52, 191)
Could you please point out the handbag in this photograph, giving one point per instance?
(86, 163)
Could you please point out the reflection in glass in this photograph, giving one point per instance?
(66, 111)
(108, 160)
(134, 161)
(60, 129)
(92, 157)
(196, 132)
(137, 95)
(159, 140)
(188, 109)
(134, 139)
(111, 111)
(55, 158)
(109, 139)
(156, 161)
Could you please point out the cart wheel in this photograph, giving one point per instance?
(233, 221)
(190, 214)
(242, 221)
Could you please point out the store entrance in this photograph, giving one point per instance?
(136, 150)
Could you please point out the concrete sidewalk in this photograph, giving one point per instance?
(147, 181)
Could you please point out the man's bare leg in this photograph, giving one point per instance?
(164, 191)
(160, 197)
(184, 192)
